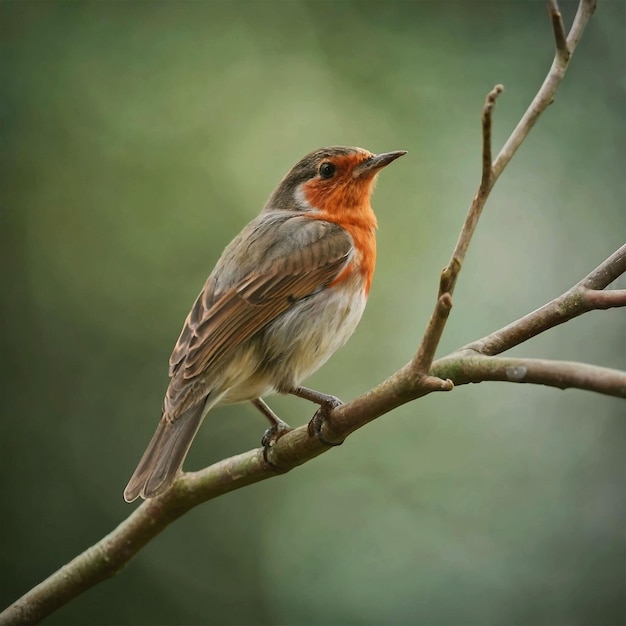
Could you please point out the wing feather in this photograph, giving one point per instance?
(243, 295)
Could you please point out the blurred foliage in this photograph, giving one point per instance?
(136, 139)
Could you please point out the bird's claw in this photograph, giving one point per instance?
(273, 434)
(321, 415)
(268, 441)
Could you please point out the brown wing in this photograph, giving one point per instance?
(286, 259)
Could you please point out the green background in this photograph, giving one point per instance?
(136, 139)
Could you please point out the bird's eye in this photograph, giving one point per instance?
(327, 170)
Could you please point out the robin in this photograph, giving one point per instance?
(286, 293)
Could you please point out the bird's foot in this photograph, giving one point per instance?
(269, 439)
(274, 433)
(322, 415)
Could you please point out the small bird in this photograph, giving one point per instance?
(286, 293)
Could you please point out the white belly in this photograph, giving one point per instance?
(294, 345)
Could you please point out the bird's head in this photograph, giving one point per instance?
(335, 181)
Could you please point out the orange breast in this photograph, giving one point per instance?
(363, 233)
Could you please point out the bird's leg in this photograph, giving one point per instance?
(327, 404)
(277, 429)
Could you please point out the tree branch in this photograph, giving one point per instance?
(560, 36)
(418, 378)
(559, 374)
(585, 296)
(565, 47)
(426, 352)
(547, 91)
(403, 386)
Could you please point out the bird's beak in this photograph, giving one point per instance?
(377, 162)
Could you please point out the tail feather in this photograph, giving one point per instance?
(164, 455)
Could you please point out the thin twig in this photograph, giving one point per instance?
(451, 272)
(426, 352)
(585, 10)
(560, 36)
(491, 172)
(546, 92)
(606, 299)
(490, 103)
(586, 295)
(434, 330)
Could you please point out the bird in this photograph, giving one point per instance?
(285, 294)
